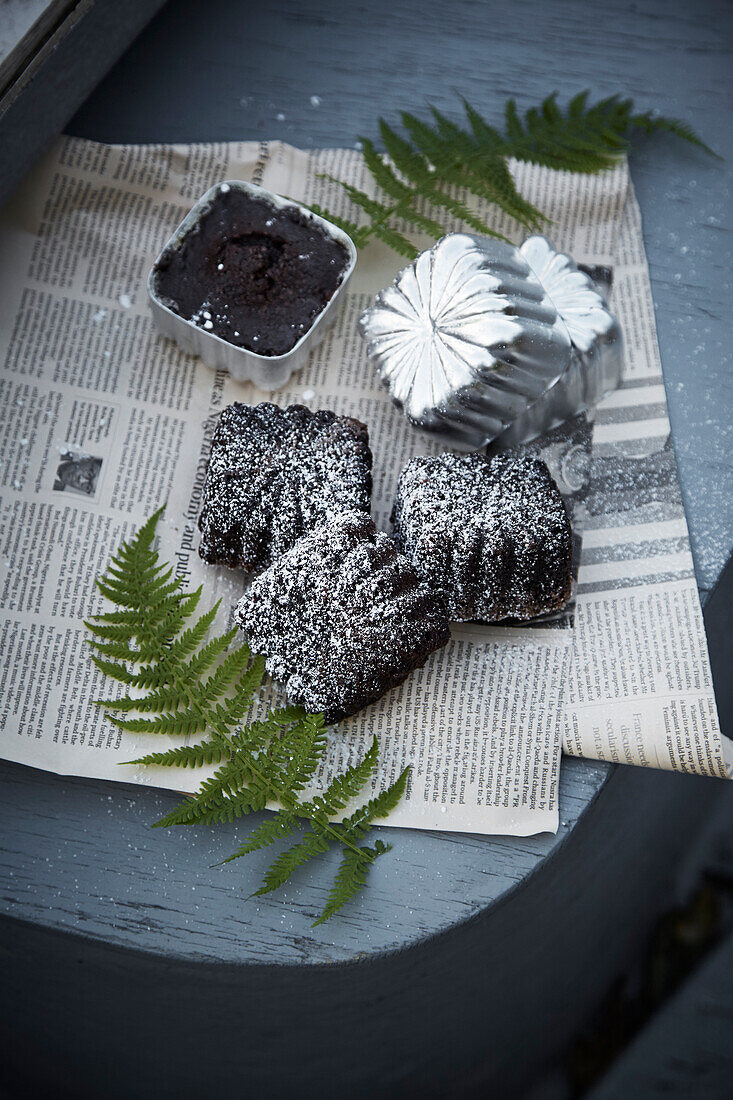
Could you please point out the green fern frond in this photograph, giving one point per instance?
(302, 762)
(348, 784)
(424, 223)
(440, 159)
(396, 241)
(277, 827)
(383, 174)
(234, 667)
(350, 878)
(129, 620)
(207, 656)
(379, 215)
(193, 685)
(378, 807)
(351, 228)
(314, 843)
(180, 724)
(163, 699)
(512, 122)
(116, 671)
(218, 809)
(122, 651)
(650, 123)
(114, 632)
(185, 756)
(460, 210)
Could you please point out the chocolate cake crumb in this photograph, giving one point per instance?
(491, 536)
(342, 617)
(254, 274)
(276, 473)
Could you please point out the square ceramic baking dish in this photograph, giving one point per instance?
(268, 372)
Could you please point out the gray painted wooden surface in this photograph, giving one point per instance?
(474, 1012)
(79, 855)
(51, 56)
(24, 24)
(685, 1051)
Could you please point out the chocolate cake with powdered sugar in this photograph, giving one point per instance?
(274, 474)
(342, 617)
(490, 536)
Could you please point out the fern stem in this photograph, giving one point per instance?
(269, 758)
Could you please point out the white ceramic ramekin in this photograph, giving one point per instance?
(268, 372)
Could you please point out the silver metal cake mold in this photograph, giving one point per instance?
(478, 339)
(268, 372)
(596, 361)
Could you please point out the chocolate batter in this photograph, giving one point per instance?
(253, 274)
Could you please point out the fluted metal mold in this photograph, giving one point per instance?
(478, 340)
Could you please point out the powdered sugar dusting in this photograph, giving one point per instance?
(342, 617)
(274, 474)
(491, 536)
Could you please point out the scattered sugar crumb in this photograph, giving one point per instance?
(280, 116)
(308, 395)
(125, 301)
(315, 101)
(100, 315)
(224, 188)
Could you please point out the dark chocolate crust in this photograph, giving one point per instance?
(491, 536)
(276, 473)
(342, 617)
(255, 275)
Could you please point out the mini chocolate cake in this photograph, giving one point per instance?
(254, 274)
(342, 617)
(273, 475)
(491, 536)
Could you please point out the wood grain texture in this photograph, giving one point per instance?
(55, 66)
(473, 1012)
(78, 855)
(685, 1050)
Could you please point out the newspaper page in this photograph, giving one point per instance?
(641, 690)
(105, 420)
